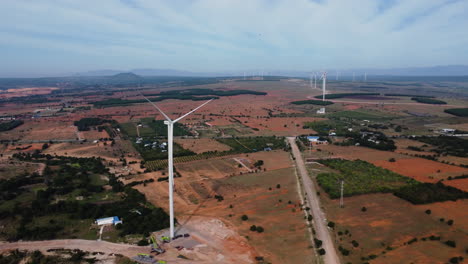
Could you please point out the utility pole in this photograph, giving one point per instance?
(341, 198)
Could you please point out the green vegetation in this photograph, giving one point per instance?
(10, 125)
(84, 124)
(238, 145)
(457, 111)
(375, 140)
(252, 144)
(313, 102)
(199, 91)
(152, 128)
(427, 100)
(359, 177)
(189, 94)
(151, 131)
(446, 145)
(120, 102)
(68, 197)
(361, 115)
(323, 127)
(423, 193)
(408, 95)
(342, 95)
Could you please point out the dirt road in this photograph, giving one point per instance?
(320, 222)
(85, 245)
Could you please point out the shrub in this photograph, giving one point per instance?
(428, 211)
(355, 243)
(322, 251)
(278, 186)
(318, 243)
(392, 160)
(143, 242)
(363, 209)
(331, 224)
(253, 228)
(450, 222)
(244, 217)
(260, 229)
(450, 243)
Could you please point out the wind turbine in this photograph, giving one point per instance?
(324, 78)
(315, 80)
(170, 138)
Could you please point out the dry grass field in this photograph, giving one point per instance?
(389, 223)
(202, 145)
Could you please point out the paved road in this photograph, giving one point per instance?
(320, 223)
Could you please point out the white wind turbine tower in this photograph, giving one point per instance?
(324, 78)
(170, 138)
(315, 80)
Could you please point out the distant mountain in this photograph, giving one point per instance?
(99, 73)
(163, 72)
(449, 70)
(126, 76)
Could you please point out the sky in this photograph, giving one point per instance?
(50, 37)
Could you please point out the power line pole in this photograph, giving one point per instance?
(341, 198)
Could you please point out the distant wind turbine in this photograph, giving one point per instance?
(324, 78)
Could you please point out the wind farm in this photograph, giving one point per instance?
(208, 132)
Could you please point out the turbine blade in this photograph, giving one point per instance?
(193, 110)
(155, 106)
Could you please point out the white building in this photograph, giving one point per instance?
(316, 140)
(321, 110)
(114, 220)
(448, 130)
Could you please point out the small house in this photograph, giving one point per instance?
(114, 220)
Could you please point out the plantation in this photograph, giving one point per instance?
(313, 102)
(408, 95)
(152, 128)
(201, 91)
(446, 145)
(359, 177)
(361, 115)
(190, 94)
(157, 153)
(423, 193)
(84, 124)
(323, 127)
(253, 144)
(10, 125)
(457, 111)
(342, 95)
(424, 100)
(238, 145)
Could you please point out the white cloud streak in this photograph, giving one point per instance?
(213, 35)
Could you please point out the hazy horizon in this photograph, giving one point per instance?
(46, 38)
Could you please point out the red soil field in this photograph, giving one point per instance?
(421, 169)
(461, 184)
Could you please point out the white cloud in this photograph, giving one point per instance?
(214, 35)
